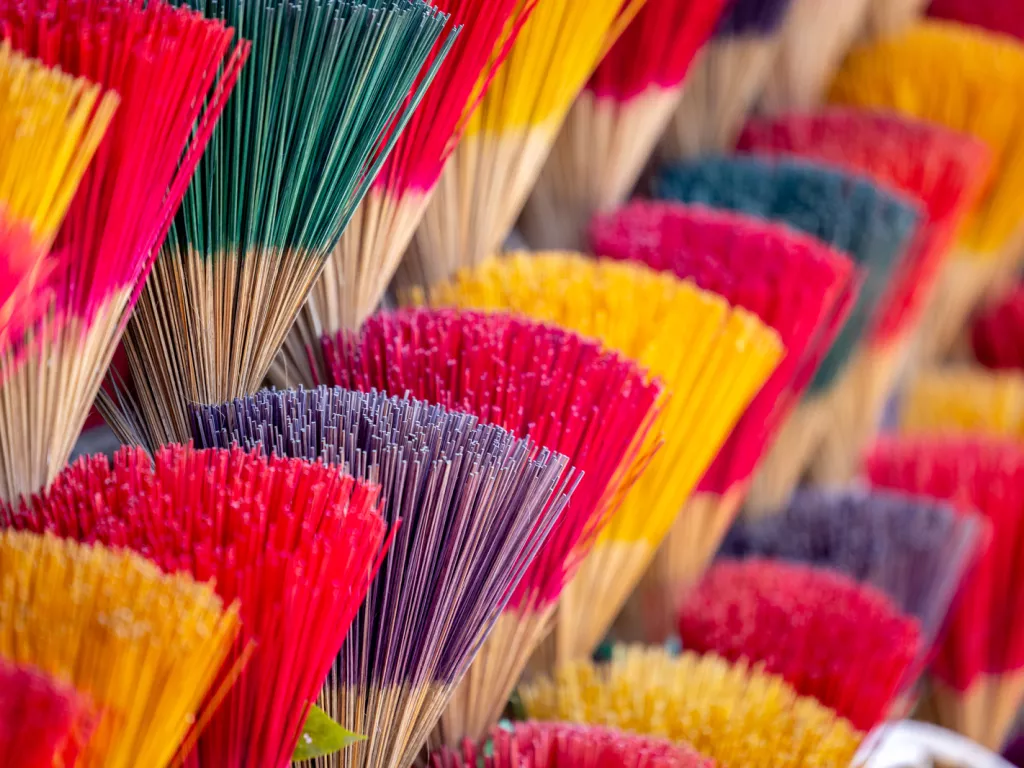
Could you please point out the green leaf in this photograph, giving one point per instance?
(322, 736)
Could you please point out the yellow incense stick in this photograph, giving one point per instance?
(143, 645)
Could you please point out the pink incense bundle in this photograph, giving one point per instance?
(616, 121)
(43, 723)
(818, 629)
(568, 395)
(979, 670)
(296, 543)
(942, 169)
(364, 261)
(795, 284)
(565, 745)
(997, 334)
(173, 70)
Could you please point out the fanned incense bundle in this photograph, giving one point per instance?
(733, 713)
(295, 544)
(143, 646)
(871, 224)
(942, 169)
(979, 669)
(490, 174)
(888, 17)
(564, 745)
(726, 79)
(324, 99)
(50, 126)
(815, 38)
(173, 70)
(797, 286)
(361, 265)
(964, 400)
(43, 723)
(994, 15)
(475, 505)
(970, 81)
(997, 334)
(818, 629)
(712, 359)
(536, 381)
(616, 122)
(914, 549)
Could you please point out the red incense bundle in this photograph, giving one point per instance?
(994, 15)
(539, 381)
(43, 724)
(817, 629)
(942, 169)
(997, 334)
(365, 259)
(979, 670)
(173, 70)
(796, 285)
(564, 745)
(616, 122)
(296, 543)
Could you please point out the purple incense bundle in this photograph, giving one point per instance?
(914, 549)
(473, 504)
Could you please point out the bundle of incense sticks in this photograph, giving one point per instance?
(537, 381)
(50, 126)
(997, 333)
(507, 139)
(735, 714)
(979, 669)
(942, 169)
(871, 224)
(914, 549)
(365, 259)
(726, 79)
(294, 544)
(475, 504)
(815, 38)
(712, 359)
(747, 610)
(964, 400)
(173, 70)
(970, 81)
(43, 723)
(143, 646)
(616, 121)
(285, 170)
(796, 285)
(889, 17)
(564, 745)
(988, 14)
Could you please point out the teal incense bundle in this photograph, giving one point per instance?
(328, 89)
(365, 259)
(851, 212)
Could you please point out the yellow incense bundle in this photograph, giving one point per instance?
(711, 358)
(50, 126)
(964, 399)
(145, 647)
(487, 179)
(971, 81)
(734, 713)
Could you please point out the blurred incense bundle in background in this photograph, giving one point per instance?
(728, 470)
